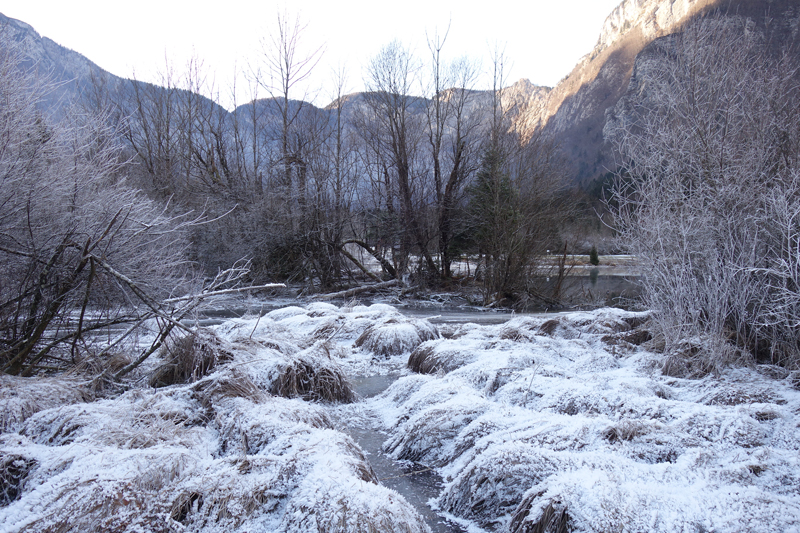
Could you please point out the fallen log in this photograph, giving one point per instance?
(356, 290)
(387, 266)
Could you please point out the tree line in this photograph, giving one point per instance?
(147, 197)
(417, 172)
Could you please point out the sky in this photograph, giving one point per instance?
(542, 40)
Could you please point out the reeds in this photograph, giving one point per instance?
(312, 377)
(190, 358)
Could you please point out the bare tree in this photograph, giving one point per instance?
(708, 193)
(80, 250)
(397, 132)
(286, 68)
(454, 134)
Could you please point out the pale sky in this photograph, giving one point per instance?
(542, 39)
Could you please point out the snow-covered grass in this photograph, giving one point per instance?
(21, 398)
(565, 422)
(549, 423)
(230, 441)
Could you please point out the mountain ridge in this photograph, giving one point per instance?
(574, 112)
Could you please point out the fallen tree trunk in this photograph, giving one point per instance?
(387, 266)
(358, 264)
(357, 290)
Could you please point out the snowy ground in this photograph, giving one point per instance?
(539, 424)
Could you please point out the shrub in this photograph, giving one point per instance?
(710, 193)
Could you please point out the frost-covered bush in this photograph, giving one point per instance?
(73, 234)
(708, 198)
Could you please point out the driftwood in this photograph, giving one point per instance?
(357, 290)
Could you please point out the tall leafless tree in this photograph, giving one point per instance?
(397, 132)
(708, 194)
(454, 120)
(80, 250)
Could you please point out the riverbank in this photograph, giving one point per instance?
(542, 421)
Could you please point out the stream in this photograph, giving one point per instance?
(416, 483)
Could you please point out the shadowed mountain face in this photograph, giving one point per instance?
(575, 111)
(71, 73)
(74, 79)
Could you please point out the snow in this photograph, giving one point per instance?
(555, 417)
(517, 421)
(220, 454)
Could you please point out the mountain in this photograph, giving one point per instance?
(575, 110)
(70, 72)
(74, 79)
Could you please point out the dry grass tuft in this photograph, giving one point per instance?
(14, 470)
(191, 358)
(333, 512)
(553, 518)
(423, 360)
(94, 365)
(20, 398)
(794, 379)
(549, 327)
(690, 360)
(395, 336)
(313, 376)
(636, 321)
(433, 357)
(228, 384)
(739, 396)
(425, 434)
(493, 481)
(510, 333)
(625, 430)
(184, 505)
(635, 337)
(80, 502)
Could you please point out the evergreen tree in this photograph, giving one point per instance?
(594, 258)
(495, 217)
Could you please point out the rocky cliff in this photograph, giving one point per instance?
(574, 111)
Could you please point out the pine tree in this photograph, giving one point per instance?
(594, 258)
